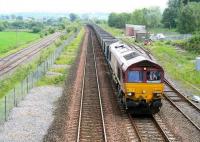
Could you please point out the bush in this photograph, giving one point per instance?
(51, 30)
(192, 44)
(36, 29)
(2, 27)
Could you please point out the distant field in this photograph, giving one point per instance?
(10, 40)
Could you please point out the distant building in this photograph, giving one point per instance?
(137, 31)
(132, 30)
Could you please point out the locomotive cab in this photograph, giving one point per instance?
(143, 86)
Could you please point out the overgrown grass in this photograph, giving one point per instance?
(192, 44)
(22, 72)
(52, 80)
(66, 58)
(58, 70)
(14, 41)
(112, 30)
(178, 64)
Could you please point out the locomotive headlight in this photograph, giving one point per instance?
(129, 94)
(143, 91)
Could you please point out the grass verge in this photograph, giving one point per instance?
(22, 72)
(66, 58)
(179, 64)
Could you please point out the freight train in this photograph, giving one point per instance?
(138, 79)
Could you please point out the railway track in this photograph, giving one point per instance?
(152, 128)
(183, 105)
(91, 125)
(10, 62)
(187, 108)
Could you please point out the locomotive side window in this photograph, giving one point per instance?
(153, 76)
(135, 76)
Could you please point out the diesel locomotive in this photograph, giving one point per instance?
(139, 80)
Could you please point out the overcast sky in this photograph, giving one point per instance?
(77, 6)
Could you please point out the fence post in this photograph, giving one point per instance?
(32, 76)
(44, 68)
(5, 110)
(22, 92)
(14, 97)
(27, 84)
(37, 74)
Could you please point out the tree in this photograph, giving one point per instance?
(118, 20)
(51, 30)
(169, 18)
(187, 1)
(2, 26)
(112, 19)
(18, 24)
(170, 14)
(19, 17)
(150, 17)
(73, 17)
(36, 29)
(188, 20)
(13, 16)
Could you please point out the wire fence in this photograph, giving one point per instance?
(178, 37)
(14, 96)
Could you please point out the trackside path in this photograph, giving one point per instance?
(29, 121)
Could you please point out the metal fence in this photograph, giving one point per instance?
(178, 37)
(14, 96)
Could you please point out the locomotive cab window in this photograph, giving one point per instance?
(154, 76)
(135, 76)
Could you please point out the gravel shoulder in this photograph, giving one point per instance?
(29, 121)
(58, 131)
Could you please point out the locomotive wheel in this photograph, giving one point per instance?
(154, 110)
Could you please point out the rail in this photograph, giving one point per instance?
(179, 95)
(18, 92)
(83, 107)
(155, 126)
(12, 61)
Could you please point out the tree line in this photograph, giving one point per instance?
(150, 17)
(44, 25)
(184, 15)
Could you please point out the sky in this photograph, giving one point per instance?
(77, 6)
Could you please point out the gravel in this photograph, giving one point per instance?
(179, 124)
(30, 121)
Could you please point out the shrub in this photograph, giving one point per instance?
(192, 44)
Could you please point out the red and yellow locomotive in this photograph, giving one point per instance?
(139, 79)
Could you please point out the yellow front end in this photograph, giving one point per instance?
(143, 91)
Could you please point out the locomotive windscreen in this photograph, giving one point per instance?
(135, 76)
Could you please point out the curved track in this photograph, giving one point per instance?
(91, 125)
(10, 62)
(187, 108)
(152, 128)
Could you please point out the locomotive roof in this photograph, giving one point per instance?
(126, 56)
